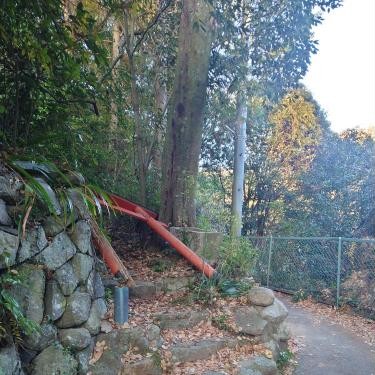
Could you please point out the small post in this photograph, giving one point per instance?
(338, 281)
(269, 261)
(121, 304)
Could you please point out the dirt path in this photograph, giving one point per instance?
(328, 348)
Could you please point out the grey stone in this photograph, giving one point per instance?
(205, 244)
(75, 338)
(51, 195)
(118, 342)
(34, 242)
(31, 297)
(144, 289)
(4, 217)
(89, 287)
(82, 266)
(66, 278)
(275, 313)
(54, 361)
(101, 307)
(39, 340)
(153, 336)
(249, 321)
(75, 178)
(58, 252)
(105, 326)
(172, 284)
(145, 366)
(79, 204)
(77, 310)
(8, 249)
(180, 319)
(10, 187)
(274, 347)
(190, 352)
(214, 373)
(9, 361)
(53, 226)
(83, 358)
(283, 332)
(98, 286)
(93, 322)
(54, 300)
(260, 296)
(81, 236)
(263, 365)
(26, 356)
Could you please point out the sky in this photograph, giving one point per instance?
(342, 74)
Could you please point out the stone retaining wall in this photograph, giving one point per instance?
(62, 292)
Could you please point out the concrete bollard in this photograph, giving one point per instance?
(121, 305)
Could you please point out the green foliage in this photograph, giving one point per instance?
(160, 265)
(59, 183)
(237, 258)
(285, 357)
(221, 322)
(299, 295)
(12, 320)
(108, 295)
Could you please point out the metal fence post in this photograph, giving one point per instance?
(339, 250)
(269, 261)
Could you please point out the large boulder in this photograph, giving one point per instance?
(249, 321)
(54, 300)
(81, 236)
(144, 366)
(82, 265)
(30, 298)
(93, 322)
(54, 360)
(257, 365)
(77, 310)
(9, 361)
(260, 296)
(275, 313)
(42, 338)
(83, 357)
(66, 278)
(75, 338)
(118, 342)
(34, 242)
(4, 216)
(58, 252)
(8, 249)
(10, 186)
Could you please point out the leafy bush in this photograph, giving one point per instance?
(237, 258)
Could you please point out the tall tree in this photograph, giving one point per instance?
(185, 121)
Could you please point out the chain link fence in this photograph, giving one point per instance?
(334, 270)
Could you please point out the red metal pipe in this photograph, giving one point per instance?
(187, 253)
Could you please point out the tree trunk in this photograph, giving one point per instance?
(116, 35)
(239, 165)
(184, 133)
(161, 99)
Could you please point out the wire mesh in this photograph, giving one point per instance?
(332, 270)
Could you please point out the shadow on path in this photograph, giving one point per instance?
(328, 348)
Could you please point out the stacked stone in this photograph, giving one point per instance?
(264, 320)
(62, 292)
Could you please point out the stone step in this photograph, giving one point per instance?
(149, 289)
(180, 319)
(204, 349)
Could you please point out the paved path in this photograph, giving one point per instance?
(328, 349)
